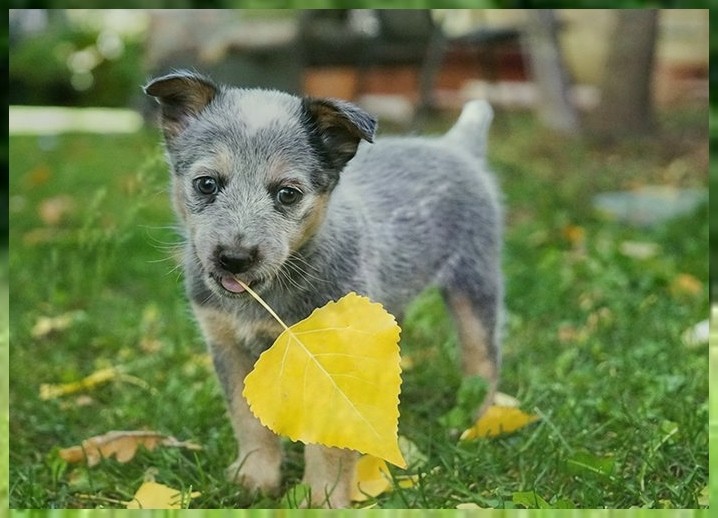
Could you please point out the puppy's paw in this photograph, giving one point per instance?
(256, 473)
(328, 497)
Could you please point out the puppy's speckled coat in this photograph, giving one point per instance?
(275, 190)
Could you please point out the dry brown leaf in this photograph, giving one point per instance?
(53, 210)
(122, 444)
(574, 234)
(38, 176)
(46, 326)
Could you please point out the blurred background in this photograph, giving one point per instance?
(607, 74)
(400, 61)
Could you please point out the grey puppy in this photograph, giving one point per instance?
(276, 190)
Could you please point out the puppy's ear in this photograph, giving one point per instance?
(182, 96)
(340, 126)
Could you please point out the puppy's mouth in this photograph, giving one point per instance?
(231, 286)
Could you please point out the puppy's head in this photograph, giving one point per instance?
(251, 172)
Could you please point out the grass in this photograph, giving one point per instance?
(593, 337)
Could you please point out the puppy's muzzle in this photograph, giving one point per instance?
(237, 261)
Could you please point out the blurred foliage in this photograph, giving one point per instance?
(713, 173)
(4, 221)
(102, 80)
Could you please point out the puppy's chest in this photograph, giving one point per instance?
(256, 336)
(253, 333)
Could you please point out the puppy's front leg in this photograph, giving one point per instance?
(259, 460)
(329, 472)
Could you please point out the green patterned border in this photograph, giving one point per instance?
(313, 513)
(634, 513)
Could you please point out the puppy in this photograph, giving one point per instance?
(276, 190)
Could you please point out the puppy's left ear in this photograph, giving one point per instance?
(340, 126)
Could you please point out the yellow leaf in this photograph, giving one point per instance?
(498, 420)
(55, 390)
(371, 478)
(122, 444)
(333, 379)
(152, 495)
(52, 391)
(685, 284)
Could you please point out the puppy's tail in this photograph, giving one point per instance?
(471, 131)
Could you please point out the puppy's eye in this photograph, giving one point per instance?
(206, 185)
(288, 195)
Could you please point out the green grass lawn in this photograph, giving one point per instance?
(593, 336)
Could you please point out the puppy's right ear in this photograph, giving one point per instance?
(182, 96)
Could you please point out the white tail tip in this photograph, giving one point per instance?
(472, 128)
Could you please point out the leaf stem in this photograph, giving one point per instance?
(264, 304)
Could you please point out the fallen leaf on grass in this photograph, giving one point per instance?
(333, 378)
(46, 326)
(53, 210)
(686, 285)
(372, 478)
(498, 420)
(122, 444)
(574, 234)
(55, 390)
(152, 495)
(38, 176)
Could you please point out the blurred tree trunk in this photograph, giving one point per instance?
(626, 102)
(554, 106)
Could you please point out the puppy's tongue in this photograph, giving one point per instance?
(231, 284)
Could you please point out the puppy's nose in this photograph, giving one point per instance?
(238, 261)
